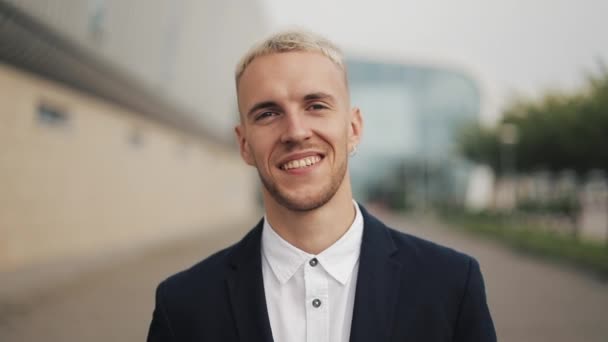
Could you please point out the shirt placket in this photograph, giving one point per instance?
(317, 302)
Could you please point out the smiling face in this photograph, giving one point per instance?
(297, 127)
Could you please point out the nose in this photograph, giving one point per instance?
(295, 129)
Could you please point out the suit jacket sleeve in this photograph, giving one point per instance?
(474, 322)
(160, 329)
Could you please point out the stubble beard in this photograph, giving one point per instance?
(310, 202)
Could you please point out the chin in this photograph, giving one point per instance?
(302, 202)
(302, 205)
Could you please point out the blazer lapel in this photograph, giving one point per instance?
(246, 288)
(378, 283)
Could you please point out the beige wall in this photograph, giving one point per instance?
(84, 188)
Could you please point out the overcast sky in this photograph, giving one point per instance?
(509, 47)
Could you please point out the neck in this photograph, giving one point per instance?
(315, 230)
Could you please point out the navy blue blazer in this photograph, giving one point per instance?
(408, 289)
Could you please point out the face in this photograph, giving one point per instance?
(297, 127)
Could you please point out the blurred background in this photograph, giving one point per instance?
(486, 129)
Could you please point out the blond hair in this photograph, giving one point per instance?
(291, 41)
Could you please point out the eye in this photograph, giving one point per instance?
(264, 115)
(317, 106)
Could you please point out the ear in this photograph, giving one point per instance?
(355, 129)
(239, 130)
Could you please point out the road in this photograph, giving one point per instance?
(530, 299)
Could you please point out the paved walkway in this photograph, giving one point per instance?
(530, 300)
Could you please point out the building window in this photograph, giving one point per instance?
(52, 116)
(97, 20)
(136, 137)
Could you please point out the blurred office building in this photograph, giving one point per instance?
(412, 114)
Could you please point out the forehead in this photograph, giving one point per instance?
(290, 74)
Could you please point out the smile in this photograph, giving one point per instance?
(301, 163)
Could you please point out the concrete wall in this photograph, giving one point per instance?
(105, 179)
(184, 50)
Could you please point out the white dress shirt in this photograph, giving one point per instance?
(309, 297)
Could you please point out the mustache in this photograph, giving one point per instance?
(300, 146)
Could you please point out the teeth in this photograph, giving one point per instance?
(300, 163)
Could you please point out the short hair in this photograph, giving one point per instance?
(291, 41)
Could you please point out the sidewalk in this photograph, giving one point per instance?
(107, 301)
(530, 299)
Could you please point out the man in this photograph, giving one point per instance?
(318, 267)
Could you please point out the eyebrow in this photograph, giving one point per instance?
(318, 96)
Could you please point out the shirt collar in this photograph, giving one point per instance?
(338, 260)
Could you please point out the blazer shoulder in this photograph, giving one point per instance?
(436, 262)
(408, 247)
(210, 271)
(444, 271)
(201, 274)
(425, 248)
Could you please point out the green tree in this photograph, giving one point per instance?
(557, 132)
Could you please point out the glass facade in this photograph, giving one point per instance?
(412, 116)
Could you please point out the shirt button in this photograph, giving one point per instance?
(316, 302)
(313, 262)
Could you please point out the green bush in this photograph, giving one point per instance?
(565, 205)
(507, 229)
